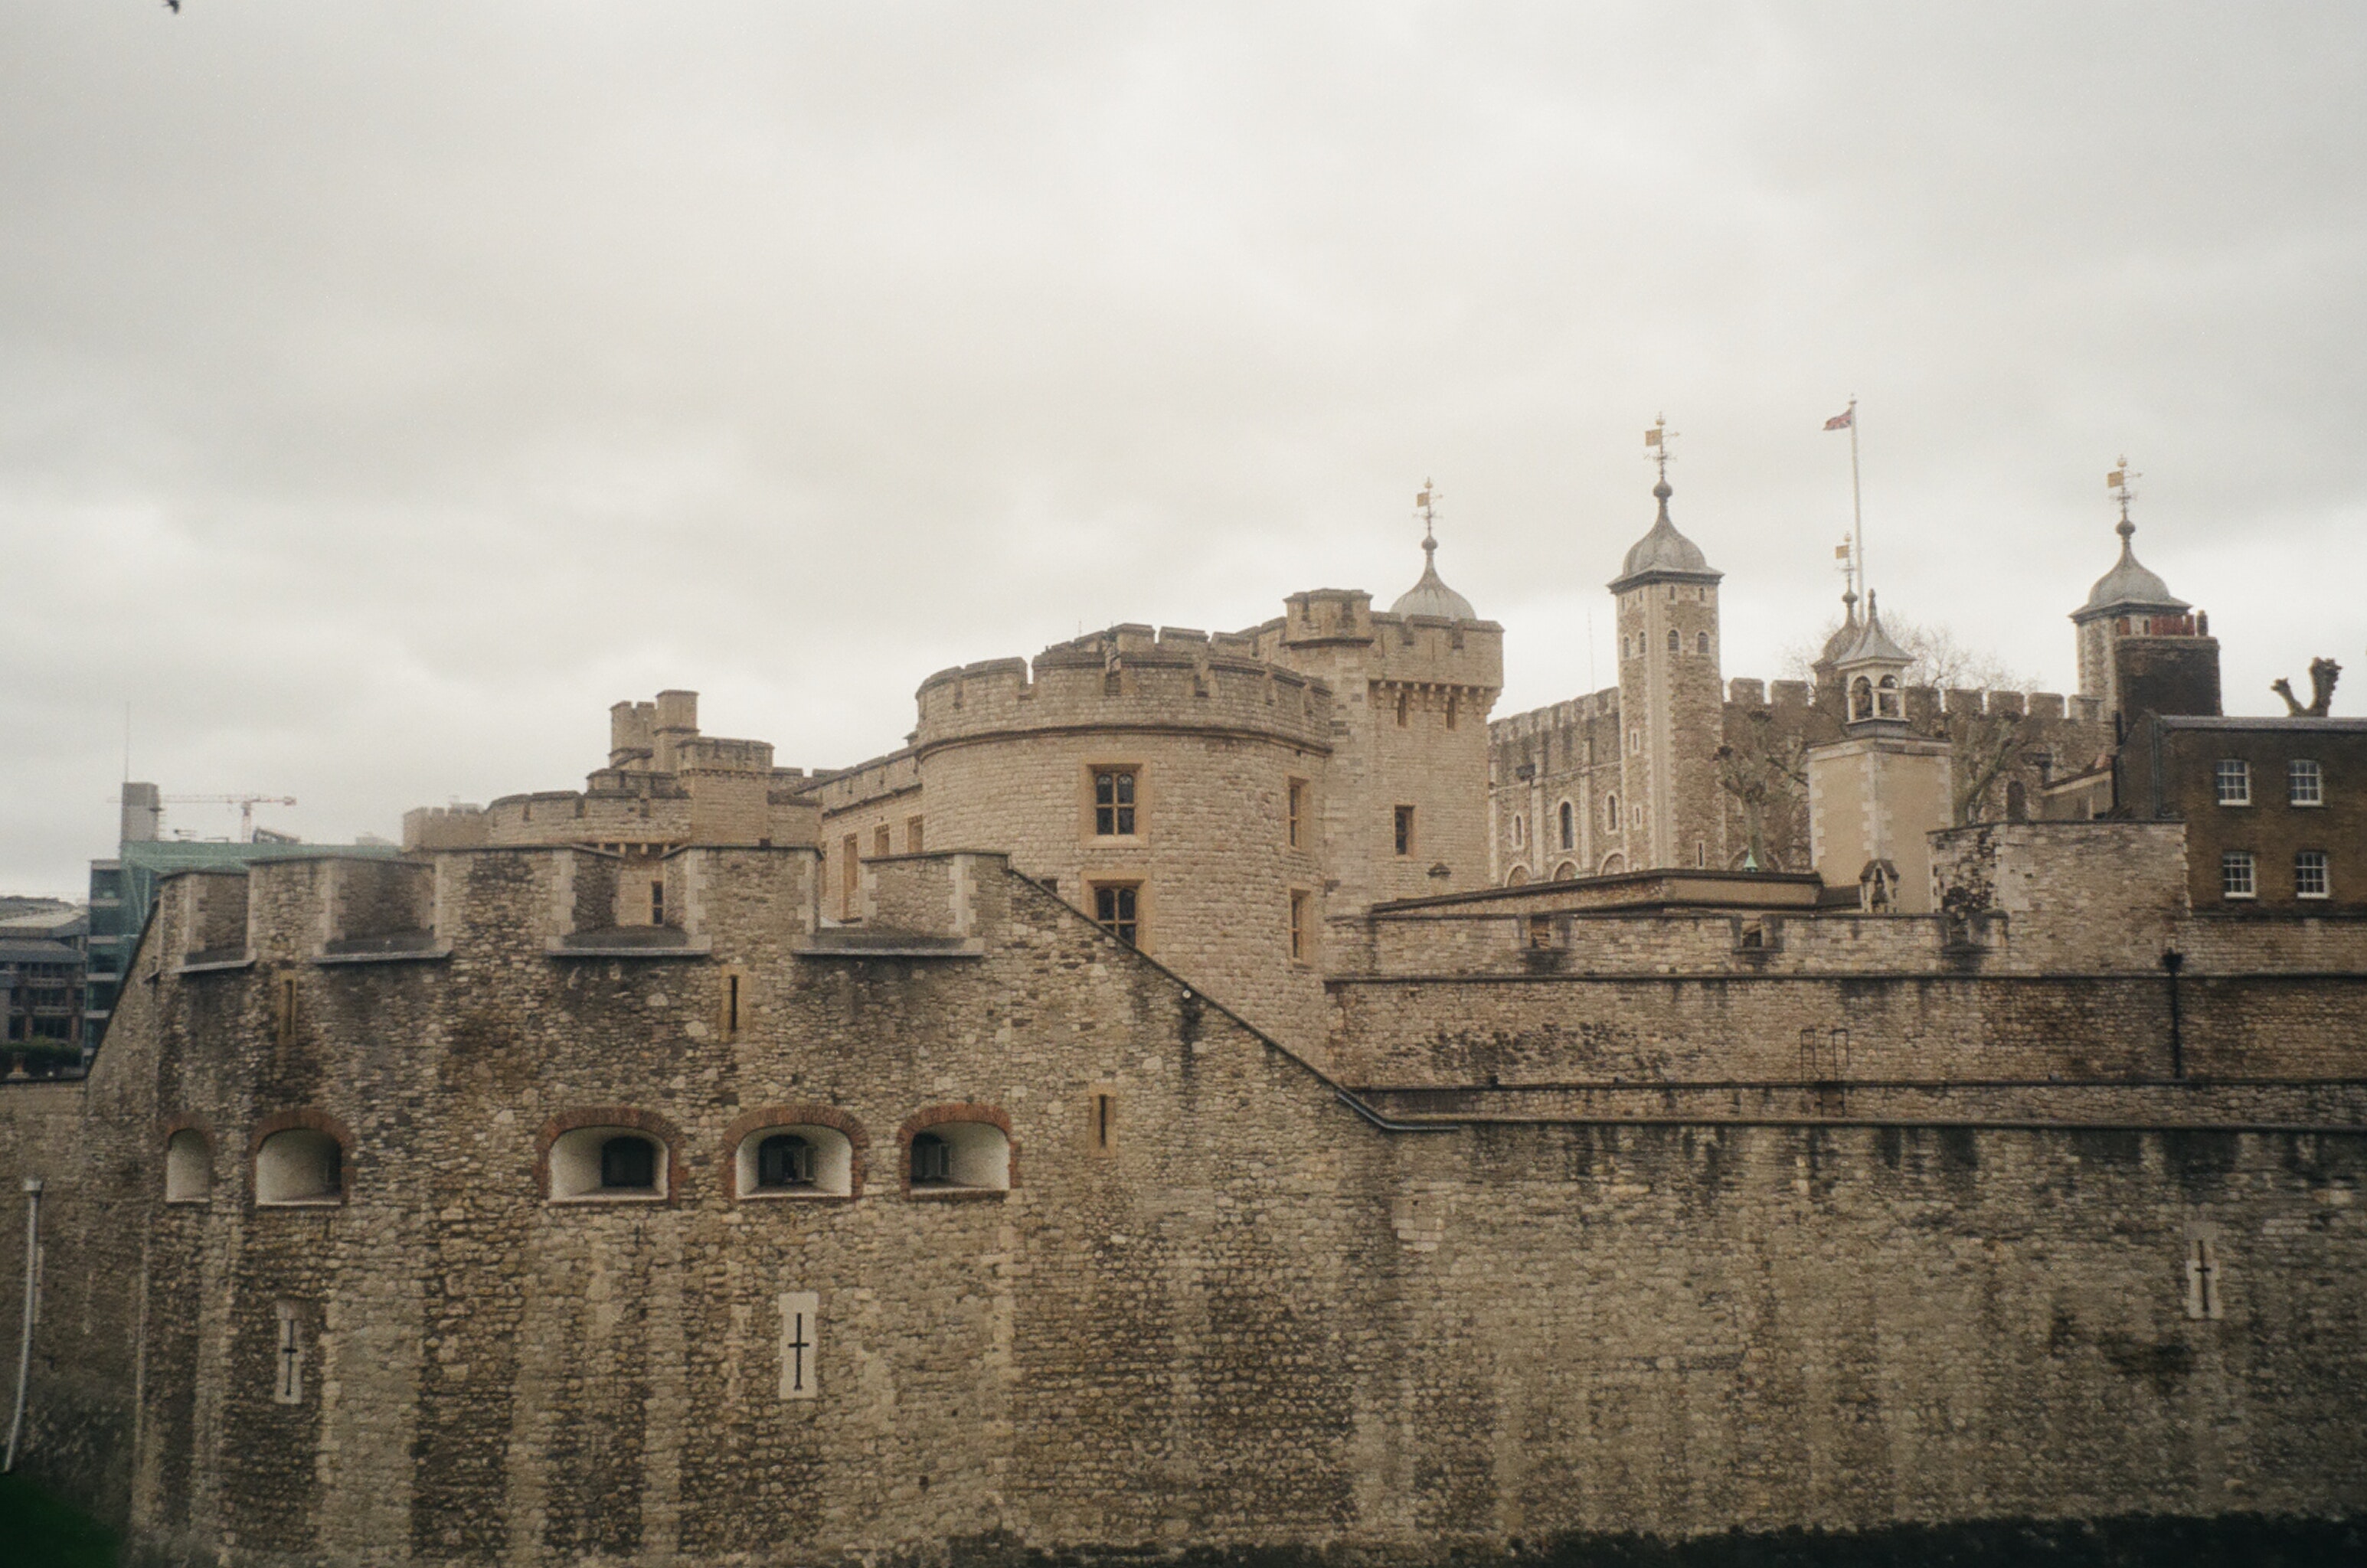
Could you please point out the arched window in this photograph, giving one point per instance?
(608, 1162)
(784, 1160)
(1861, 703)
(958, 1149)
(1612, 864)
(299, 1164)
(1885, 696)
(781, 1154)
(1701, 642)
(1519, 874)
(1516, 832)
(629, 1163)
(1566, 872)
(1673, 645)
(1611, 813)
(188, 1166)
(1569, 826)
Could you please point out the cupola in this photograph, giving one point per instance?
(2130, 588)
(1663, 555)
(1431, 596)
(1844, 638)
(1873, 670)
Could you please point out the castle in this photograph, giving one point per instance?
(1228, 1090)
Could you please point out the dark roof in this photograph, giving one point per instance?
(1663, 552)
(2130, 585)
(2299, 722)
(1431, 596)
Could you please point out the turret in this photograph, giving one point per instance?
(1405, 794)
(1876, 794)
(2131, 600)
(1873, 674)
(1672, 699)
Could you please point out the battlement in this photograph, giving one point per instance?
(665, 786)
(1327, 626)
(945, 904)
(713, 754)
(1925, 703)
(882, 778)
(337, 910)
(455, 826)
(1554, 717)
(1127, 677)
(645, 735)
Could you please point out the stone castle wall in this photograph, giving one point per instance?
(1248, 1317)
(1568, 751)
(1541, 760)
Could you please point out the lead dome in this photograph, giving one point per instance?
(2131, 582)
(1663, 551)
(1430, 595)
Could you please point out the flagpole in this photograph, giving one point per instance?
(1857, 503)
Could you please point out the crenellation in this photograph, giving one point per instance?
(1182, 682)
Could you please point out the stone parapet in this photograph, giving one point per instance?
(1125, 679)
(1714, 1024)
(1841, 1099)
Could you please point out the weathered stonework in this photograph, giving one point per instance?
(417, 1212)
(1242, 1310)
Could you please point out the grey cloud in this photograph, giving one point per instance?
(386, 389)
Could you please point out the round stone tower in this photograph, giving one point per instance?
(1167, 783)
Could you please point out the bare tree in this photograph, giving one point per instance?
(2323, 673)
(1987, 744)
(1940, 660)
(1765, 774)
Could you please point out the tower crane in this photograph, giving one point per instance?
(245, 804)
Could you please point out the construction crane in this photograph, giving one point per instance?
(245, 804)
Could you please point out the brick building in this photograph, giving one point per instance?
(2275, 808)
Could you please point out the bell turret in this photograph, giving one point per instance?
(1872, 671)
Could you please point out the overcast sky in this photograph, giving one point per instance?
(387, 388)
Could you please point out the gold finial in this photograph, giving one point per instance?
(1656, 444)
(1426, 508)
(2118, 482)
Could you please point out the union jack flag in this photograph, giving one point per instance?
(1842, 419)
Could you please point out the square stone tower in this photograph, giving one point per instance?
(1405, 794)
(1671, 701)
(1876, 795)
